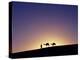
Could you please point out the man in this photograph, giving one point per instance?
(41, 45)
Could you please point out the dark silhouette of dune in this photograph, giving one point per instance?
(49, 51)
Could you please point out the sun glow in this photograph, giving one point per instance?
(36, 24)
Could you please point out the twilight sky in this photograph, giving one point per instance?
(35, 24)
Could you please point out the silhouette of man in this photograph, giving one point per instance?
(41, 45)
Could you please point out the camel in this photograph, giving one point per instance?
(53, 44)
(47, 44)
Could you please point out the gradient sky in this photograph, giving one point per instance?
(35, 24)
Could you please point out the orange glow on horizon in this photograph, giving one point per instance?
(42, 40)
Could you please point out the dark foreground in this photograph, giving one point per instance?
(50, 51)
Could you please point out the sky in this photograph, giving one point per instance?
(36, 24)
